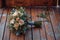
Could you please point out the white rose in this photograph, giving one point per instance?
(12, 21)
(21, 14)
(21, 22)
(21, 7)
(16, 13)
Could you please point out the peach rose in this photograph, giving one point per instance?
(21, 22)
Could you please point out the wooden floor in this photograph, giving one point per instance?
(49, 31)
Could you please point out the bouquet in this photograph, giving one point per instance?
(17, 20)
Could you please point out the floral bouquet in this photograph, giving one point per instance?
(17, 21)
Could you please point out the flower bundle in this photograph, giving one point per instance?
(17, 20)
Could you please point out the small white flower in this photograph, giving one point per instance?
(21, 22)
(16, 13)
(12, 21)
(21, 7)
(20, 13)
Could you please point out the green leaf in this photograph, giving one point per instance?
(38, 23)
(43, 15)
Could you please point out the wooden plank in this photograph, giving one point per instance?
(13, 36)
(39, 11)
(56, 27)
(1, 13)
(58, 19)
(42, 30)
(36, 35)
(21, 37)
(0, 3)
(28, 35)
(49, 31)
(33, 14)
(2, 25)
(7, 32)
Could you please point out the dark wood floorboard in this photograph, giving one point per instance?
(55, 18)
(2, 25)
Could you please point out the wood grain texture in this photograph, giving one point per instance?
(49, 31)
(2, 25)
(12, 3)
(56, 24)
(0, 3)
